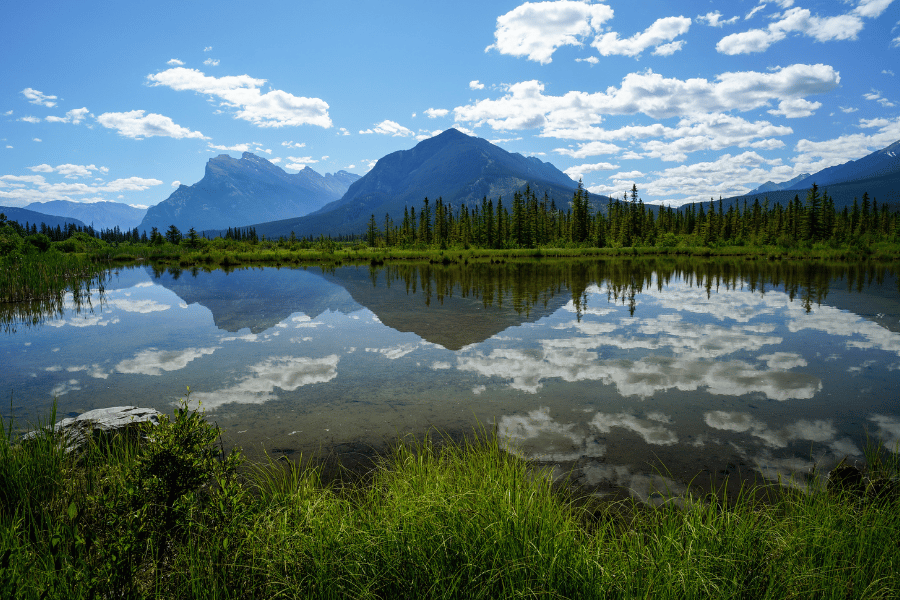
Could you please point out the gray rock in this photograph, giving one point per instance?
(101, 423)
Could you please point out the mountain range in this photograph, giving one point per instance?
(460, 169)
(30, 217)
(100, 215)
(238, 192)
(456, 167)
(877, 174)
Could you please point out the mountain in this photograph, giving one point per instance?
(23, 216)
(878, 164)
(459, 168)
(101, 215)
(877, 174)
(238, 192)
(884, 162)
(771, 186)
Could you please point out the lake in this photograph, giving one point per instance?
(638, 375)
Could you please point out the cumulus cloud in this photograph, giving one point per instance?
(525, 106)
(136, 125)
(174, 62)
(39, 98)
(24, 189)
(801, 21)
(536, 29)
(876, 96)
(434, 113)
(74, 116)
(391, 128)
(212, 62)
(476, 85)
(67, 170)
(796, 107)
(589, 149)
(714, 19)
(299, 162)
(579, 171)
(242, 94)
(661, 31)
(29, 119)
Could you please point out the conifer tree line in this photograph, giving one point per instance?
(529, 221)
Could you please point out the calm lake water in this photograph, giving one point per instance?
(637, 376)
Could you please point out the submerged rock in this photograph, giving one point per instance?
(100, 423)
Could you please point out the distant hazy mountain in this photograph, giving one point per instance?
(238, 192)
(30, 217)
(101, 215)
(771, 186)
(878, 164)
(459, 168)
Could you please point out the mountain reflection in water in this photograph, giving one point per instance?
(606, 368)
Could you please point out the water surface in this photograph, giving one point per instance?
(638, 375)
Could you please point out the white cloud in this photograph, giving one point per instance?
(176, 183)
(589, 149)
(129, 184)
(662, 30)
(391, 128)
(525, 106)
(29, 119)
(212, 62)
(537, 29)
(714, 19)
(590, 59)
(721, 177)
(74, 116)
(241, 93)
(579, 171)
(876, 96)
(174, 62)
(299, 162)
(476, 85)
(293, 144)
(796, 107)
(434, 113)
(207, 49)
(848, 109)
(800, 20)
(39, 98)
(134, 124)
(44, 168)
(67, 170)
(37, 140)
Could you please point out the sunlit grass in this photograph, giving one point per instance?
(432, 519)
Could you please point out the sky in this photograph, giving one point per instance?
(687, 100)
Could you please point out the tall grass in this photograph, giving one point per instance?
(31, 277)
(433, 519)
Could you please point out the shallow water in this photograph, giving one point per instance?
(638, 375)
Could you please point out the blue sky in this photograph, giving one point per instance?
(688, 100)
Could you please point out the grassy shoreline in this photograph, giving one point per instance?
(176, 517)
